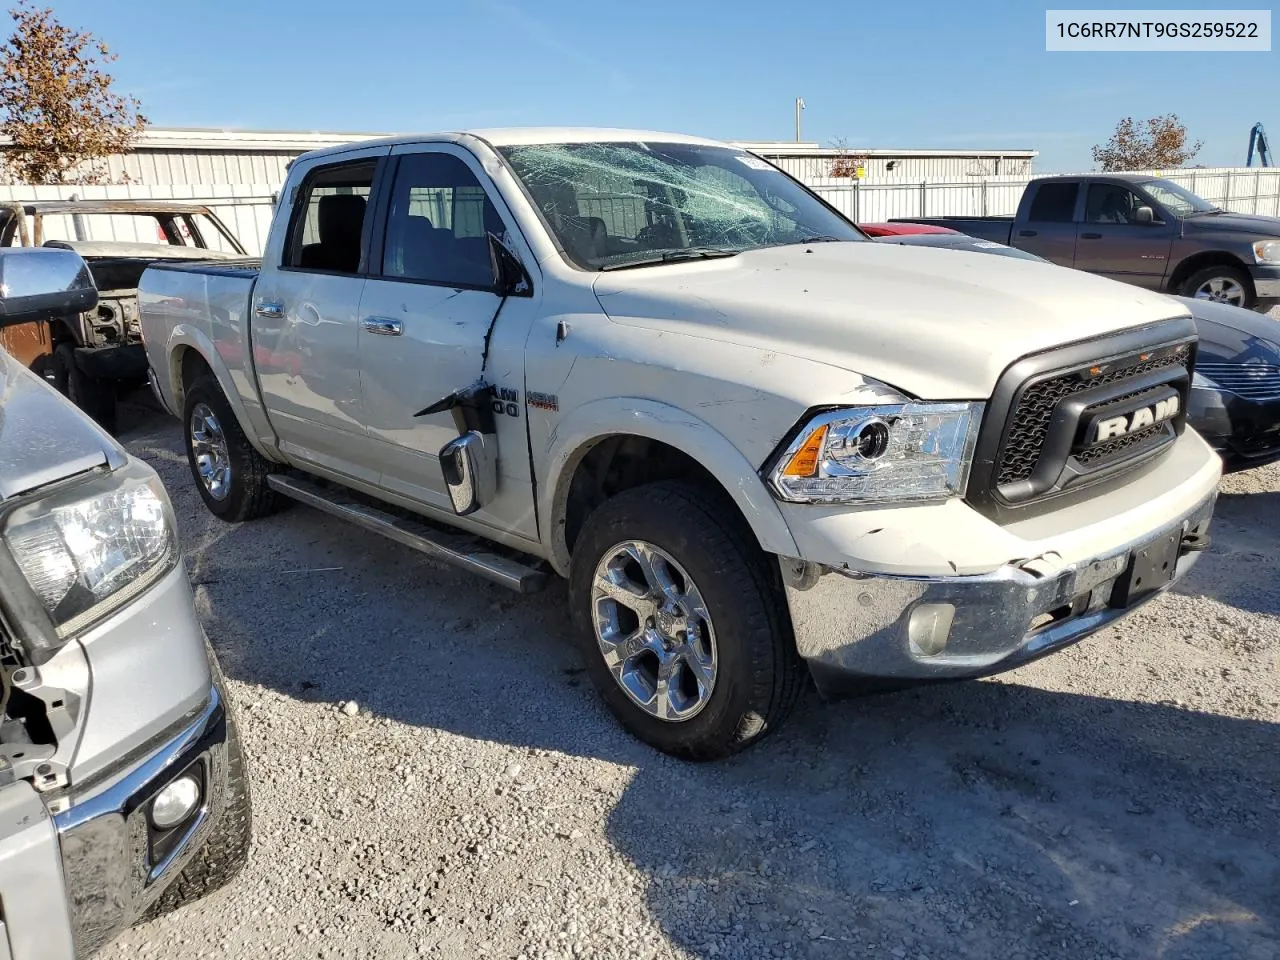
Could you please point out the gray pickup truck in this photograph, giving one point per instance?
(122, 785)
(1142, 230)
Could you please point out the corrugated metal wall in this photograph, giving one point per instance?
(156, 167)
(815, 167)
(1239, 189)
(246, 208)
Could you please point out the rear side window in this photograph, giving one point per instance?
(438, 222)
(329, 219)
(1055, 202)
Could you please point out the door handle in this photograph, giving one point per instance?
(383, 326)
(272, 311)
(1090, 236)
(1026, 233)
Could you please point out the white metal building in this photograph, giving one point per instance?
(192, 157)
(810, 163)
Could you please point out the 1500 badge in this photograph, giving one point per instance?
(506, 402)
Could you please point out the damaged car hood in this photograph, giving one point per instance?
(43, 436)
(936, 324)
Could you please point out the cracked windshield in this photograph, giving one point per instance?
(631, 204)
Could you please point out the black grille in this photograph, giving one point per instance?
(1030, 423)
(1110, 448)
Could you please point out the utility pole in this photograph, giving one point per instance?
(799, 107)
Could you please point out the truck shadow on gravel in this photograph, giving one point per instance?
(981, 820)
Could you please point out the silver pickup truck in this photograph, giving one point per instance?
(122, 785)
(658, 366)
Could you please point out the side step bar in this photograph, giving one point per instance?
(460, 549)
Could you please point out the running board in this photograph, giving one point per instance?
(462, 550)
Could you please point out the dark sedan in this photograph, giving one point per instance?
(1235, 391)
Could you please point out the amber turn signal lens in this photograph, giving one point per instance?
(805, 461)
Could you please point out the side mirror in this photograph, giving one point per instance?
(470, 467)
(1144, 215)
(510, 279)
(43, 283)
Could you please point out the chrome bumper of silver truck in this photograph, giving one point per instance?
(860, 632)
(79, 867)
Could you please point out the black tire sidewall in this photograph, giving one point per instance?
(743, 616)
(95, 397)
(235, 505)
(1234, 273)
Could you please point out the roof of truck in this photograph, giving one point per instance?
(520, 136)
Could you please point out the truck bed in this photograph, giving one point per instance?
(998, 229)
(200, 302)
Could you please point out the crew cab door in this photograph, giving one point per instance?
(431, 324)
(305, 316)
(1046, 222)
(1114, 243)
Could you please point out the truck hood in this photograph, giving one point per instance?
(43, 437)
(1254, 224)
(936, 324)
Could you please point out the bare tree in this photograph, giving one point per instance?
(56, 102)
(848, 162)
(1154, 144)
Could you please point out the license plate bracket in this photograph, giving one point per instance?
(1150, 568)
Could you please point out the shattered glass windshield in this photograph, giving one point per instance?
(631, 204)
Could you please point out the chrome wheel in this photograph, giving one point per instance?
(654, 631)
(209, 449)
(1222, 290)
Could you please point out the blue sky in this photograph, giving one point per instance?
(906, 74)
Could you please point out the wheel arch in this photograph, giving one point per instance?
(1208, 258)
(191, 353)
(666, 442)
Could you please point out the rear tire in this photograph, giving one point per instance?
(230, 475)
(744, 643)
(95, 397)
(1222, 284)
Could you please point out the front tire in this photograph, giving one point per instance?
(1221, 284)
(95, 397)
(682, 621)
(230, 474)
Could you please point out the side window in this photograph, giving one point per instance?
(1055, 202)
(438, 223)
(329, 219)
(1110, 203)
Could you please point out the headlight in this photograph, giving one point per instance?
(1198, 379)
(1267, 251)
(879, 454)
(90, 548)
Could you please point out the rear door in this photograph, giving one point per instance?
(1114, 244)
(1049, 227)
(305, 319)
(430, 326)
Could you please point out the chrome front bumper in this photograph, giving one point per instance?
(70, 883)
(858, 631)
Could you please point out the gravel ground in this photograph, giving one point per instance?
(1119, 799)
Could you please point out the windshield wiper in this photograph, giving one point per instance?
(675, 256)
(818, 238)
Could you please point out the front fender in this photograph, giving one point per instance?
(579, 430)
(236, 382)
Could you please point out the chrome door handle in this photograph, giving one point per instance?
(383, 326)
(272, 311)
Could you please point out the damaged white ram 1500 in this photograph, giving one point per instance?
(662, 368)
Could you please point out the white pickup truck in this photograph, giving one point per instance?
(660, 367)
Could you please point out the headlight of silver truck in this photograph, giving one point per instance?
(880, 454)
(92, 546)
(1267, 251)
